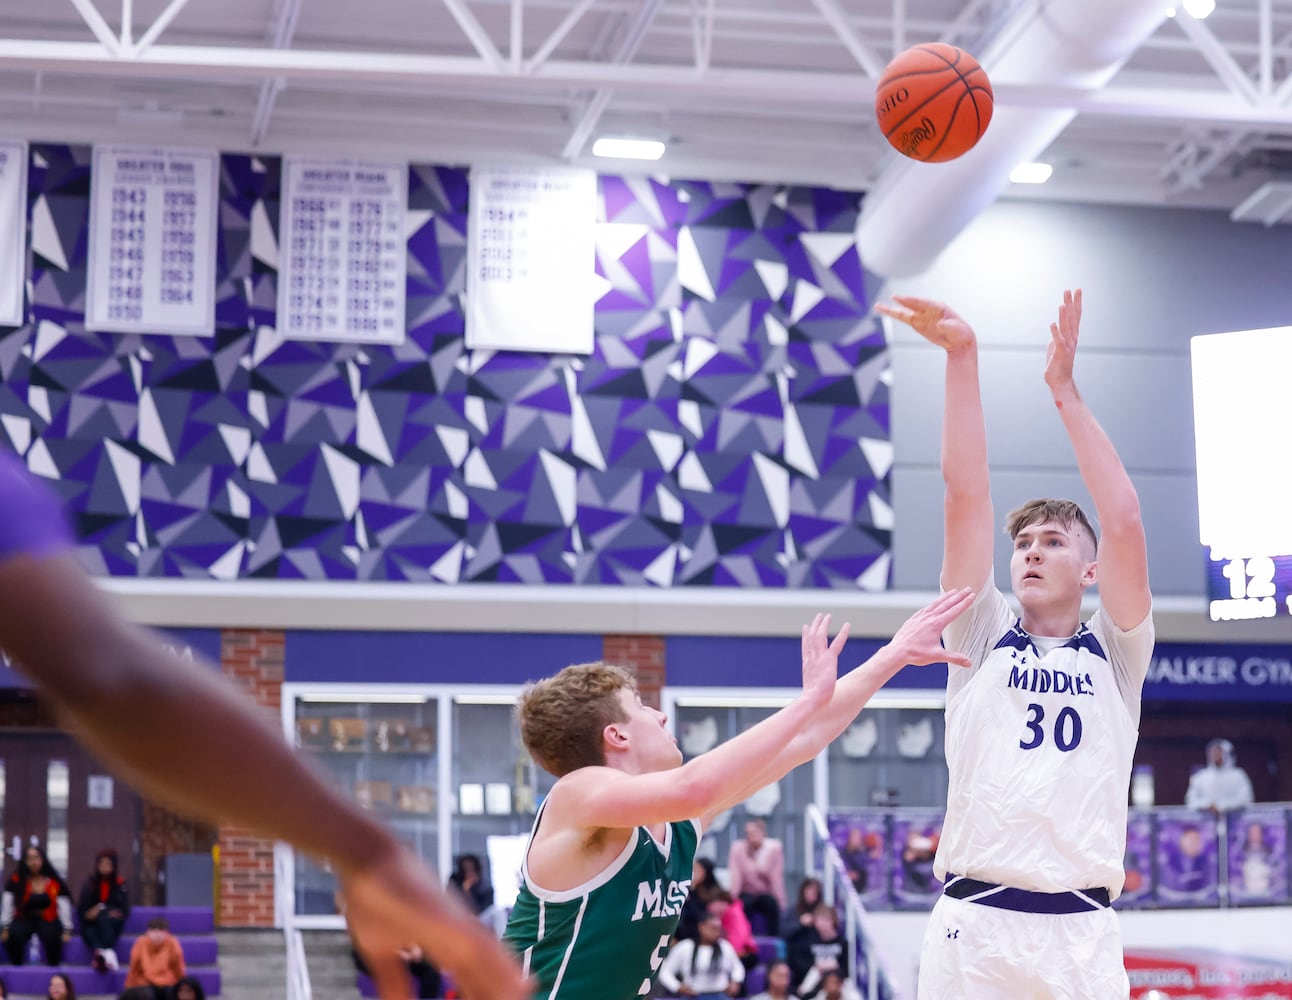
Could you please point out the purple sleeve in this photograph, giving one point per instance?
(31, 514)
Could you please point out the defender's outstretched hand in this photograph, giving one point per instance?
(937, 323)
(1062, 352)
(821, 657)
(919, 640)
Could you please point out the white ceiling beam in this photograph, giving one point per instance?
(127, 24)
(1265, 74)
(710, 13)
(476, 35)
(1218, 57)
(837, 18)
(517, 41)
(596, 106)
(289, 13)
(899, 26)
(158, 26)
(965, 18)
(558, 35)
(99, 27)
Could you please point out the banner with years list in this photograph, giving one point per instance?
(531, 259)
(152, 240)
(343, 262)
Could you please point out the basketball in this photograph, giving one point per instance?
(933, 102)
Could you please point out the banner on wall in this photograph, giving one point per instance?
(531, 259)
(343, 259)
(152, 241)
(13, 220)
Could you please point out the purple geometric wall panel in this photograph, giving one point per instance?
(731, 428)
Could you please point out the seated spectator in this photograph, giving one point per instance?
(708, 967)
(815, 950)
(60, 988)
(156, 963)
(189, 988)
(704, 890)
(835, 987)
(37, 902)
(809, 898)
(735, 927)
(756, 872)
(778, 982)
(474, 889)
(103, 907)
(1222, 785)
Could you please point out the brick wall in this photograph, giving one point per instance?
(645, 655)
(164, 832)
(254, 659)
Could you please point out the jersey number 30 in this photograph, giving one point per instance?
(1067, 729)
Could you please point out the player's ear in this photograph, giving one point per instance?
(615, 737)
(1091, 574)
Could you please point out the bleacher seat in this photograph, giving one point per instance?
(755, 980)
(193, 925)
(769, 949)
(367, 988)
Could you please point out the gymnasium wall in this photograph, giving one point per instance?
(731, 428)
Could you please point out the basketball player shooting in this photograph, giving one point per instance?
(117, 689)
(1041, 730)
(609, 862)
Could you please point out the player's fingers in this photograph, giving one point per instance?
(836, 647)
(956, 659)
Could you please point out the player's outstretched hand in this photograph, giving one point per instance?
(935, 322)
(1062, 352)
(919, 640)
(393, 901)
(821, 657)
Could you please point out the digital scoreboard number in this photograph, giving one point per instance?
(1241, 437)
(1259, 587)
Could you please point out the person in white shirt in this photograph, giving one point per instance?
(1041, 729)
(707, 968)
(1222, 785)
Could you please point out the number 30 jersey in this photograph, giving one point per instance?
(1040, 734)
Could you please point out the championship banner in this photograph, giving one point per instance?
(152, 241)
(1188, 858)
(343, 262)
(531, 258)
(13, 220)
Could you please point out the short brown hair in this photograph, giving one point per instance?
(562, 718)
(1064, 512)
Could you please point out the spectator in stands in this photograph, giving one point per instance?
(756, 872)
(1222, 785)
(813, 951)
(60, 988)
(36, 901)
(469, 881)
(859, 851)
(809, 898)
(835, 987)
(778, 982)
(189, 988)
(103, 907)
(708, 967)
(426, 977)
(156, 963)
(704, 890)
(735, 927)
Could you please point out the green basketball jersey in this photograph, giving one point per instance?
(605, 939)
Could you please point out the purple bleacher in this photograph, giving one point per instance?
(182, 919)
(769, 949)
(198, 950)
(755, 980)
(35, 979)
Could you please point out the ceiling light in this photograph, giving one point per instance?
(1199, 8)
(628, 149)
(1170, 12)
(1031, 173)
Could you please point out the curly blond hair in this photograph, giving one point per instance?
(562, 718)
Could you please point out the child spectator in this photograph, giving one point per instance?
(60, 988)
(103, 907)
(189, 988)
(37, 902)
(707, 968)
(813, 951)
(809, 898)
(735, 928)
(156, 963)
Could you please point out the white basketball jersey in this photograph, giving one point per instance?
(1040, 734)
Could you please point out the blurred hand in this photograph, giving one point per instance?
(919, 640)
(937, 323)
(1062, 352)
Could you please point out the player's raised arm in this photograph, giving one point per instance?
(967, 545)
(1123, 557)
(118, 690)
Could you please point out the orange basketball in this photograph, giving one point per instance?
(933, 102)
